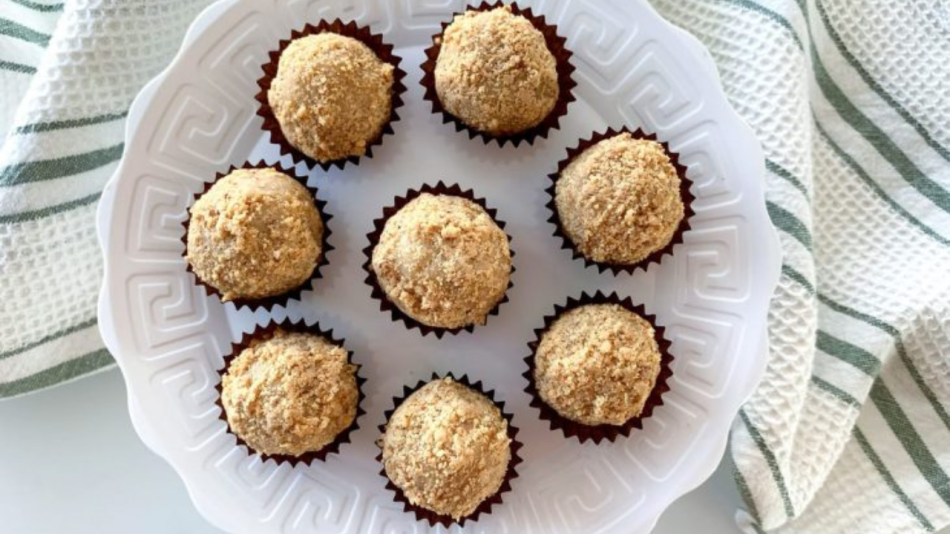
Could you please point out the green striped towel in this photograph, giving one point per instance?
(68, 73)
(849, 431)
(851, 99)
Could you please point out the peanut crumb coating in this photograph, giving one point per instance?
(495, 72)
(443, 261)
(332, 96)
(619, 201)
(597, 364)
(290, 394)
(256, 233)
(447, 448)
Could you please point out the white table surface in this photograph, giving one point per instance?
(70, 462)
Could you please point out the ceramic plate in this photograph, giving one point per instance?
(712, 294)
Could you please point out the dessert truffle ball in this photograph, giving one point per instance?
(447, 448)
(495, 72)
(290, 394)
(256, 233)
(619, 201)
(332, 96)
(597, 364)
(443, 261)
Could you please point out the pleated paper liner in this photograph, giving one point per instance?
(268, 303)
(654, 257)
(265, 332)
(398, 203)
(423, 514)
(565, 70)
(598, 433)
(383, 51)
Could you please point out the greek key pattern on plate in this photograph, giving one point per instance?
(632, 69)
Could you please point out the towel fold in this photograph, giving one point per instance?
(849, 431)
(68, 73)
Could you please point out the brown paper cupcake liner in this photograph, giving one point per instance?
(267, 303)
(565, 70)
(398, 203)
(598, 433)
(423, 514)
(654, 257)
(293, 326)
(375, 42)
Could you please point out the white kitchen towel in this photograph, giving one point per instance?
(851, 99)
(850, 431)
(68, 73)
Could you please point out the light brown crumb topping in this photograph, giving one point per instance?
(290, 394)
(256, 233)
(495, 72)
(443, 261)
(619, 200)
(332, 96)
(447, 448)
(597, 364)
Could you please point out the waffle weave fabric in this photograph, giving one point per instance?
(850, 430)
(68, 74)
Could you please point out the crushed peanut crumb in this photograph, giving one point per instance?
(332, 96)
(495, 72)
(619, 200)
(443, 261)
(447, 448)
(597, 364)
(256, 233)
(290, 394)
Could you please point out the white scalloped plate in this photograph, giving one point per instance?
(633, 68)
